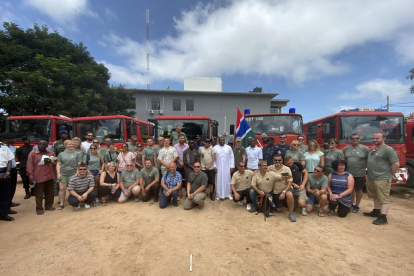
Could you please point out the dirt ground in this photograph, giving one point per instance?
(224, 239)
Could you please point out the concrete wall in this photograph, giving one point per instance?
(203, 84)
(221, 107)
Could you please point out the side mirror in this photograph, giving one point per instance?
(151, 130)
(231, 129)
(215, 131)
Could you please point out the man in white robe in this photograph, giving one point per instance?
(223, 166)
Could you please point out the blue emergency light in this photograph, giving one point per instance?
(247, 112)
(292, 110)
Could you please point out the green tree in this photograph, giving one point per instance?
(411, 77)
(43, 72)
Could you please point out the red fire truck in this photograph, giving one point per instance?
(365, 122)
(190, 125)
(409, 143)
(119, 128)
(37, 127)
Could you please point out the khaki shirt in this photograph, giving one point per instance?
(265, 183)
(242, 181)
(206, 156)
(280, 185)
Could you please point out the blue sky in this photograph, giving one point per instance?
(323, 55)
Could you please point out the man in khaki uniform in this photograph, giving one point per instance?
(240, 184)
(207, 157)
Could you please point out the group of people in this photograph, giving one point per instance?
(289, 175)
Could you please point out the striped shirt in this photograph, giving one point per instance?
(339, 184)
(81, 184)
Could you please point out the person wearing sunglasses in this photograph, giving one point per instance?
(124, 157)
(95, 163)
(295, 153)
(316, 190)
(78, 146)
(150, 179)
(130, 183)
(299, 178)
(313, 157)
(109, 183)
(196, 185)
(240, 184)
(270, 151)
(302, 147)
(340, 187)
(283, 146)
(382, 165)
(207, 157)
(88, 142)
(332, 155)
(132, 145)
(81, 188)
(356, 156)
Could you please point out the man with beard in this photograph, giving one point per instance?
(196, 185)
(150, 153)
(239, 152)
(150, 178)
(223, 166)
(180, 147)
(190, 157)
(198, 144)
(87, 144)
(270, 151)
(59, 146)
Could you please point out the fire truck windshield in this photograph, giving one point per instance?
(101, 128)
(366, 126)
(191, 128)
(36, 129)
(276, 124)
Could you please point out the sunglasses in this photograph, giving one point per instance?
(129, 165)
(92, 148)
(277, 160)
(81, 169)
(197, 166)
(89, 135)
(207, 142)
(355, 138)
(139, 146)
(95, 142)
(282, 137)
(242, 166)
(315, 170)
(295, 144)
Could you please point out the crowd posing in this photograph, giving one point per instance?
(295, 176)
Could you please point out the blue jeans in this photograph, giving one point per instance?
(167, 199)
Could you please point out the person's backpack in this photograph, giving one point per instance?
(264, 205)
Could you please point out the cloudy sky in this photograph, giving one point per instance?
(323, 55)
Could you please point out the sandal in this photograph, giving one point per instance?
(61, 207)
(104, 204)
(321, 214)
(331, 213)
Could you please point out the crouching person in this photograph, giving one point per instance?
(197, 183)
(240, 184)
(81, 187)
(129, 183)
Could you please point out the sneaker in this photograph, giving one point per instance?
(40, 212)
(212, 197)
(304, 213)
(231, 197)
(87, 206)
(253, 209)
(355, 209)
(292, 217)
(241, 203)
(136, 199)
(381, 220)
(249, 207)
(374, 213)
(175, 204)
(77, 207)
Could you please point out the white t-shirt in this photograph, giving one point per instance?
(253, 157)
(5, 156)
(86, 145)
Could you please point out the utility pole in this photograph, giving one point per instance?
(388, 103)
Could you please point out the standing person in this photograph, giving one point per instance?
(180, 147)
(264, 138)
(41, 174)
(171, 183)
(81, 187)
(241, 182)
(207, 158)
(295, 153)
(138, 157)
(157, 152)
(340, 187)
(95, 163)
(59, 146)
(382, 166)
(254, 155)
(67, 164)
(89, 138)
(299, 179)
(103, 150)
(167, 155)
(8, 139)
(124, 157)
(22, 154)
(133, 144)
(95, 142)
(270, 150)
(196, 185)
(130, 183)
(302, 147)
(332, 155)
(356, 156)
(6, 157)
(239, 152)
(223, 166)
(283, 147)
(112, 155)
(150, 179)
(316, 190)
(109, 183)
(78, 146)
(176, 134)
(313, 157)
(150, 153)
(198, 143)
(190, 157)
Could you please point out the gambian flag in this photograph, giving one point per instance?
(243, 129)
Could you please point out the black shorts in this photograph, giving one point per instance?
(210, 175)
(277, 201)
(359, 183)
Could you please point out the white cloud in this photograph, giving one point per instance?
(111, 14)
(64, 12)
(296, 40)
(6, 15)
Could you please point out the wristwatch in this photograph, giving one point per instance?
(339, 196)
(284, 192)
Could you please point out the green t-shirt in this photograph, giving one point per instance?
(149, 154)
(103, 151)
(296, 156)
(94, 163)
(238, 155)
(317, 183)
(129, 178)
(80, 152)
(69, 162)
(157, 152)
(111, 156)
(303, 148)
(331, 156)
(149, 175)
(356, 159)
(132, 148)
(197, 181)
(379, 162)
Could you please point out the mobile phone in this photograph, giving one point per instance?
(285, 174)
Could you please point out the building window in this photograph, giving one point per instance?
(189, 105)
(274, 110)
(176, 105)
(155, 103)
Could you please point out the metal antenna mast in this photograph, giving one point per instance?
(148, 48)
